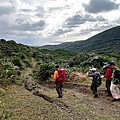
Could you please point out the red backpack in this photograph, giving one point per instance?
(62, 75)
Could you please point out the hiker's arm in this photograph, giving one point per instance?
(55, 75)
(90, 74)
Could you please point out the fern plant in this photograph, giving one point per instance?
(45, 71)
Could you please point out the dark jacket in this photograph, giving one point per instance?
(94, 76)
(116, 78)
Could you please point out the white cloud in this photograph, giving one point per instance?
(39, 22)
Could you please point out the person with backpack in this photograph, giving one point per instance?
(105, 68)
(96, 79)
(108, 76)
(115, 82)
(59, 78)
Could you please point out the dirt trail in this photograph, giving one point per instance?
(42, 103)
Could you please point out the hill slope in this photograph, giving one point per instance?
(108, 41)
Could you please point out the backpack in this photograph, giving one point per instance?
(98, 81)
(116, 79)
(62, 75)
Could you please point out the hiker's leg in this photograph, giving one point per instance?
(58, 89)
(94, 89)
(106, 84)
(114, 91)
(91, 88)
(109, 84)
(61, 89)
(108, 87)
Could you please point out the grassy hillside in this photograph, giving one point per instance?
(108, 41)
(14, 58)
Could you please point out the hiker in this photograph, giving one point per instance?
(105, 68)
(108, 76)
(59, 79)
(95, 75)
(115, 82)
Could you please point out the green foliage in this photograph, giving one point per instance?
(10, 72)
(27, 62)
(104, 42)
(17, 62)
(45, 71)
(16, 57)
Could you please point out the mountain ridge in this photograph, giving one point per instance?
(108, 40)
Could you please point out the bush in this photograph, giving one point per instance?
(27, 63)
(17, 62)
(45, 71)
(10, 72)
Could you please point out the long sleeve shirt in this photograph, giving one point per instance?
(56, 75)
(108, 74)
(94, 76)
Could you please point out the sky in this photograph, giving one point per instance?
(48, 22)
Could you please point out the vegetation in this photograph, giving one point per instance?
(17, 60)
(45, 71)
(14, 58)
(105, 42)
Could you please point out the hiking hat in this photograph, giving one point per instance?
(112, 63)
(93, 69)
(57, 66)
(106, 66)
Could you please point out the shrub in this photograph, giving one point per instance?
(45, 71)
(27, 63)
(10, 72)
(17, 62)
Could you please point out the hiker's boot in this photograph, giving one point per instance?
(95, 96)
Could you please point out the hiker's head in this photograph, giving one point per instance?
(56, 67)
(93, 70)
(112, 65)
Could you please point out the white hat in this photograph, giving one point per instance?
(105, 66)
(93, 69)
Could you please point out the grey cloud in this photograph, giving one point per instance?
(61, 31)
(117, 21)
(30, 27)
(52, 9)
(5, 10)
(100, 18)
(25, 10)
(96, 6)
(97, 27)
(38, 41)
(60, 8)
(77, 20)
(40, 11)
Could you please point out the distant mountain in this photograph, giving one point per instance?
(107, 41)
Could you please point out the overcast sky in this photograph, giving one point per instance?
(41, 22)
